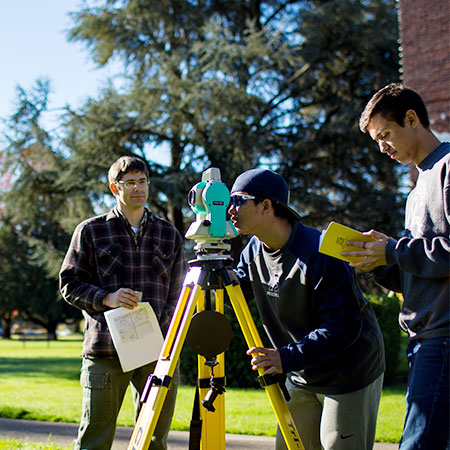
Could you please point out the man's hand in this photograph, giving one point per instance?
(374, 253)
(127, 298)
(267, 359)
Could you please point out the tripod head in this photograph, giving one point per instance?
(209, 199)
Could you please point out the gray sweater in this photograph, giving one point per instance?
(419, 262)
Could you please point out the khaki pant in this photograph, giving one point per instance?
(104, 386)
(334, 422)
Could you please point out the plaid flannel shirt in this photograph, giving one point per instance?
(105, 255)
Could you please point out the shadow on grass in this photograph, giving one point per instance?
(67, 368)
(393, 389)
(10, 412)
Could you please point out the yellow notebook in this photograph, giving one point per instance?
(333, 241)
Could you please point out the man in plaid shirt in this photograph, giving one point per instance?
(113, 258)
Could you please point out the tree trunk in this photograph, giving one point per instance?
(6, 325)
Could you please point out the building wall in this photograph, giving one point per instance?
(425, 56)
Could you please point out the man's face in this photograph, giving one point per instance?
(245, 214)
(400, 143)
(131, 191)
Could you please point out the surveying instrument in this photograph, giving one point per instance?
(207, 332)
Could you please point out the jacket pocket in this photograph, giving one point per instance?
(109, 260)
(163, 261)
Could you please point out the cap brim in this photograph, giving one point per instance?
(294, 214)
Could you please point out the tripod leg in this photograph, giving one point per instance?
(165, 367)
(213, 428)
(251, 335)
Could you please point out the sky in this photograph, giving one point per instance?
(34, 44)
(33, 36)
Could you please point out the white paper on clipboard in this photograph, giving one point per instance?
(136, 335)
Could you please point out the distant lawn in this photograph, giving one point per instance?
(10, 444)
(39, 380)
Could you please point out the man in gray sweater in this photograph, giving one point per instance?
(418, 264)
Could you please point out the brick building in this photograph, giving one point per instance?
(425, 57)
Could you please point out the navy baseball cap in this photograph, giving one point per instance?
(265, 183)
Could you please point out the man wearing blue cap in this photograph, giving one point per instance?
(324, 333)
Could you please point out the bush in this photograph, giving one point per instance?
(387, 310)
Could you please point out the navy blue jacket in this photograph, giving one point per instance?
(314, 313)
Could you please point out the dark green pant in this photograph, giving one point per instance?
(104, 386)
(334, 422)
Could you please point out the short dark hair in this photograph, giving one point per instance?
(278, 209)
(392, 102)
(126, 164)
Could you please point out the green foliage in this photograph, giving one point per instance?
(387, 310)
(237, 84)
(26, 290)
(233, 85)
(334, 172)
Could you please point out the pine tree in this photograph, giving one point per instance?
(228, 84)
(238, 84)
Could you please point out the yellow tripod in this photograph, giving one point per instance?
(211, 272)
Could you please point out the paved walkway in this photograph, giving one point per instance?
(64, 433)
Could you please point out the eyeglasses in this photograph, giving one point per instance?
(131, 184)
(238, 200)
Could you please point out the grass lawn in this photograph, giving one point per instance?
(39, 380)
(9, 444)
